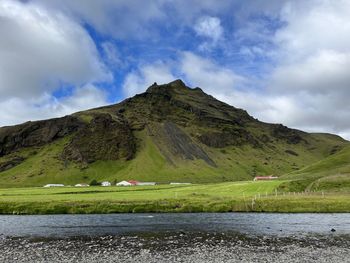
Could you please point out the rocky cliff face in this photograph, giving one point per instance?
(104, 138)
(36, 133)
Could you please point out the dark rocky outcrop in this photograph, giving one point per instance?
(291, 152)
(182, 145)
(103, 139)
(174, 143)
(335, 149)
(6, 165)
(222, 139)
(289, 135)
(36, 133)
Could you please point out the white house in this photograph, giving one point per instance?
(82, 185)
(106, 183)
(54, 185)
(146, 183)
(124, 183)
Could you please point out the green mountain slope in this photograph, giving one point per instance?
(169, 133)
(329, 174)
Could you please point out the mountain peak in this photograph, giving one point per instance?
(176, 84)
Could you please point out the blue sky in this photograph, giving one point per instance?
(283, 61)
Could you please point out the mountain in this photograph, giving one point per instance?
(169, 133)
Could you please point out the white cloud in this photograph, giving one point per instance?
(323, 72)
(39, 50)
(312, 63)
(203, 72)
(120, 19)
(86, 97)
(111, 54)
(18, 110)
(124, 19)
(209, 27)
(313, 26)
(138, 80)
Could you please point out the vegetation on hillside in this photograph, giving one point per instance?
(329, 174)
(169, 133)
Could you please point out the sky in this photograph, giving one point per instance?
(282, 61)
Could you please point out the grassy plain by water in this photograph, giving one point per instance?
(261, 196)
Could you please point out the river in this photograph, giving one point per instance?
(251, 224)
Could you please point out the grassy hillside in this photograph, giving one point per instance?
(329, 174)
(169, 133)
(44, 165)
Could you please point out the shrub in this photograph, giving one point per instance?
(94, 183)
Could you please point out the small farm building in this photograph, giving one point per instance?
(123, 183)
(82, 185)
(106, 183)
(133, 182)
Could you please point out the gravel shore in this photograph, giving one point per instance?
(177, 247)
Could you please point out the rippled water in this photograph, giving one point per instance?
(255, 224)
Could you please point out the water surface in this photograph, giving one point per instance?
(253, 224)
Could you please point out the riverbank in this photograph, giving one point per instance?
(177, 247)
(223, 197)
(280, 204)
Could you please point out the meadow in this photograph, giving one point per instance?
(245, 196)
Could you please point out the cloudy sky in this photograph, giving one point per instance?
(283, 61)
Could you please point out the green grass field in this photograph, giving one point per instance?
(221, 197)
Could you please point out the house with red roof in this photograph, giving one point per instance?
(133, 182)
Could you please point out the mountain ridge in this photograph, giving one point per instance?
(170, 132)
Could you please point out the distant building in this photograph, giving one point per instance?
(82, 185)
(261, 178)
(106, 183)
(124, 183)
(146, 183)
(133, 182)
(54, 185)
(178, 183)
